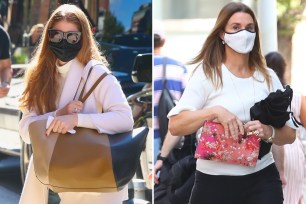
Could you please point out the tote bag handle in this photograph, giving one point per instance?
(83, 98)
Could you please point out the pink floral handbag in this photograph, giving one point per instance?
(214, 146)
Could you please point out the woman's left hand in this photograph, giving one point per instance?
(62, 124)
(158, 165)
(73, 107)
(261, 130)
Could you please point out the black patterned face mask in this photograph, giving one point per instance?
(65, 51)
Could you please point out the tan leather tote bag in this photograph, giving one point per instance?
(86, 161)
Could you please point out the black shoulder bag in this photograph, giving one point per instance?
(166, 103)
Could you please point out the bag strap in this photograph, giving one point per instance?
(164, 80)
(89, 72)
(81, 98)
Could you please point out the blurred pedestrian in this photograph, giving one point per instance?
(175, 75)
(169, 151)
(35, 34)
(290, 158)
(65, 55)
(31, 40)
(5, 62)
(231, 77)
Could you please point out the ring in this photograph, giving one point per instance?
(255, 132)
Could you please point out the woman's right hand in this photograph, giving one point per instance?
(232, 125)
(62, 124)
(72, 107)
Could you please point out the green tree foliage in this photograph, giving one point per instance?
(289, 14)
(111, 27)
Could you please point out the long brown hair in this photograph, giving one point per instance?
(277, 62)
(42, 88)
(212, 54)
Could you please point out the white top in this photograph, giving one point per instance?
(63, 72)
(63, 69)
(116, 117)
(237, 95)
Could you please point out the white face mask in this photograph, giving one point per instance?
(242, 41)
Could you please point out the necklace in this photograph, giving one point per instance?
(237, 92)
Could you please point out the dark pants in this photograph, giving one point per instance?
(262, 187)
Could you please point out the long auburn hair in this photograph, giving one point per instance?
(212, 54)
(42, 87)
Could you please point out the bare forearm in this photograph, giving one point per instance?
(279, 156)
(6, 75)
(284, 135)
(6, 71)
(169, 143)
(188, 122)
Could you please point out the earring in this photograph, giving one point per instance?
(223, 42)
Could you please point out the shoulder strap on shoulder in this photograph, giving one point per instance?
(83, 99)
(164, 80)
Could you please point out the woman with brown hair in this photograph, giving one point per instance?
(232, 76)
(64, 56)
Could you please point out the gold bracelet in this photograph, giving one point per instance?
(270, 139)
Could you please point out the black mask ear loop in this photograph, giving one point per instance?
(240, 31)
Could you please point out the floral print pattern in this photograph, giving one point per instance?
(213, 145)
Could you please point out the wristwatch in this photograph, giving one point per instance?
(159, 157)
